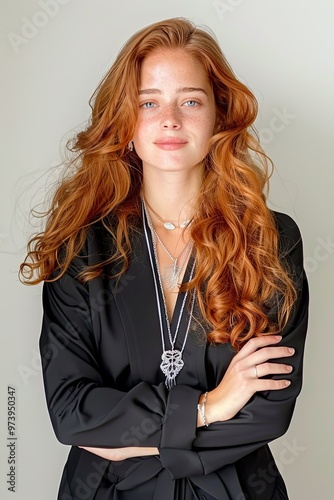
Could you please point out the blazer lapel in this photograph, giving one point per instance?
(137, 307)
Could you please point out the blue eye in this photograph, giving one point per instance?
(148, 105)
(191, 104)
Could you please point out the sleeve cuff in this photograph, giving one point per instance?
(179, 432)
(180, 423)
(181, 463)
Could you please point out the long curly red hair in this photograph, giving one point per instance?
(239, 273)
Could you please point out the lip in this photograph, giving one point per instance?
(170, 143)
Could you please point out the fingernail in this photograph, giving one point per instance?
(287, 383)
(289, 368)
(291, 350)
(278, 337)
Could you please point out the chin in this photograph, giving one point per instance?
(173, 165)
(176, 168)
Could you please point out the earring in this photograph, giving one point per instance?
(130, 146)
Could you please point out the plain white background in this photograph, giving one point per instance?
(54, 53)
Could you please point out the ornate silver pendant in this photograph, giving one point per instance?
(170, 276)
(171, 365)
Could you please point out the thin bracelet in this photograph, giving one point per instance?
(201, 409)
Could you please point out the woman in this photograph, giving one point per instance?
(175, 303)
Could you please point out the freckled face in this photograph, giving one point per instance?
(177, 112)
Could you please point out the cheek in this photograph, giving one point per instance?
(206, 123)
(206, 130)
(142, 130)
(212, 123)
(141, 140)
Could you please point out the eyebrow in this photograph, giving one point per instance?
(179, 90)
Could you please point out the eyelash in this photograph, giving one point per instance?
(144, 104)
(192, 100)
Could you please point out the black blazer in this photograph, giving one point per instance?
(101, 349)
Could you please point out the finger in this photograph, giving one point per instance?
(272, 369)
(266, 353)
(256, 343)
(272, 385)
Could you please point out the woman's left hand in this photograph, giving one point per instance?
(117, 454)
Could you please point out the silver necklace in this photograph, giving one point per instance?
(168, 225)
(171, 360)
(171, 274)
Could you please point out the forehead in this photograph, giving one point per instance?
(168, 65)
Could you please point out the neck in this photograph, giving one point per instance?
(173, 195)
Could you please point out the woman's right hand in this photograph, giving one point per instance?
(243, 379)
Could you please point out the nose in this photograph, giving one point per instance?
(171, 118)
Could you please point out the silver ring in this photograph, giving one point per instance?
(256, 371)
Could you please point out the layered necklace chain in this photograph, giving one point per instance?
(168, 225)
(170, 274)
(171, 359)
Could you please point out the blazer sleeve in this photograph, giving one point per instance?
(268, 414)
(84, 411)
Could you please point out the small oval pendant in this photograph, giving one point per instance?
(185, 224)
(169, 225)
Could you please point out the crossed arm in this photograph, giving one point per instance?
(240, 382)
(245, 411)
